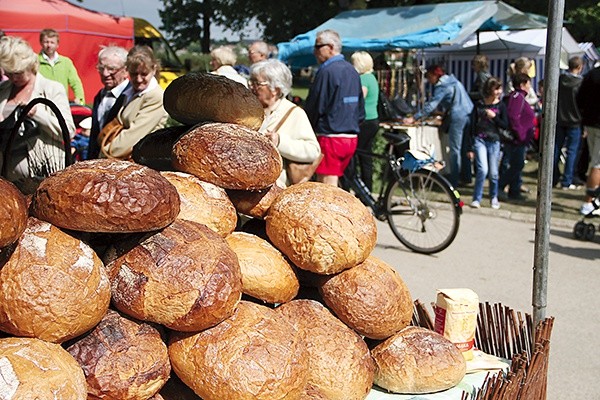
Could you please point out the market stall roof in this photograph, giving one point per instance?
(421, 26)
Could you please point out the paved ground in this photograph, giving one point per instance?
(493, 255)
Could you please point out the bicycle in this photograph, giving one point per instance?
(420, 205)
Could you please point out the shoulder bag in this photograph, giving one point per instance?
(110, 131)
(298, 172)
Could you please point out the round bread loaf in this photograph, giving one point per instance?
(199, 97)
(154, 150)
(53, 287)
(253, 355)
(184, 277)
(370, 298)
(203, 202)
(418, 360)
(122, 359)
(228, 155)
(266, 275)
(254, 203)
(321, 228)
(13, 213)
(106, 196)
(339, 362)
(35, 369)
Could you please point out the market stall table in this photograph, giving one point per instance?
(423, 137)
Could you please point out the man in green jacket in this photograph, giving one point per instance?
(59, 68)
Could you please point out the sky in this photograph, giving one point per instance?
(148, 10)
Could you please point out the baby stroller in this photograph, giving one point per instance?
(583, 230)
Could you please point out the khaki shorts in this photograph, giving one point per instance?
(593, 138)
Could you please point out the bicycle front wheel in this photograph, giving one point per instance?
(423, 212)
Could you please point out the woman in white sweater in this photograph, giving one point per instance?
(285, 123)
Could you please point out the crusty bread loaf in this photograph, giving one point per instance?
(35, 369)
(53, 287)
(122, 359)
(13, 213)
(339, 362)
(371, 298)
(266, 275)
(203, 202)
(253, 355)
(228, 155)
(184, 277)
(154, 150)
(201, 97)
(321, 228)
(106, 196)
(418, 360)
(254, 203)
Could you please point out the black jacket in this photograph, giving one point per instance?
(588, 98)
(568, 112)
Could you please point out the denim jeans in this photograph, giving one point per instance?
(513, 161)
(455, 138)
(569, 137)
(487, 156)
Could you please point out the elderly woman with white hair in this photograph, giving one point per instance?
(222, 60)
(286, 124)
(24, 84)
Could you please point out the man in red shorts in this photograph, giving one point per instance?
(335, 107)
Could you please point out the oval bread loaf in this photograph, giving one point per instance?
(370, 298)
(53, 287)
(253, 355)
(228, 155)
(417, 360)
(13, 213)
(266, 275)
(106, 196)
(122, 359)
(321, 228)
(184, 277)
(340, 364)
(203, 202)
(35, 369)
(254, 203)
(200, 97)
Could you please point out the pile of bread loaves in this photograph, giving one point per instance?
(120, 281)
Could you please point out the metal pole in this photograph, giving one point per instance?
(544, 196)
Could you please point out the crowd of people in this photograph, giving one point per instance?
(489, 128)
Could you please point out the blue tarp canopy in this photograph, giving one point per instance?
(413, 27)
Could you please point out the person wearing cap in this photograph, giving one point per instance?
(450, 95)
(81, 142)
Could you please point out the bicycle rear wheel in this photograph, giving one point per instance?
(423, 212)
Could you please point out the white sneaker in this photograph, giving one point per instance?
(495, 203)
(587, 208)
(475, 204)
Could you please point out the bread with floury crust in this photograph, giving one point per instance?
(340, 364)
(13, 213)
(228, 155)
(122, 359)
(109, 196)
(203, 202)
(200, 97)
(35, 369)
(53, 286)
(256, 354)
(184, 277)
(266, 274)
(370, 298)
(321, 228)
(418, 361)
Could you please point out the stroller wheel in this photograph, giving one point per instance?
(590, 231)
(579, 230)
